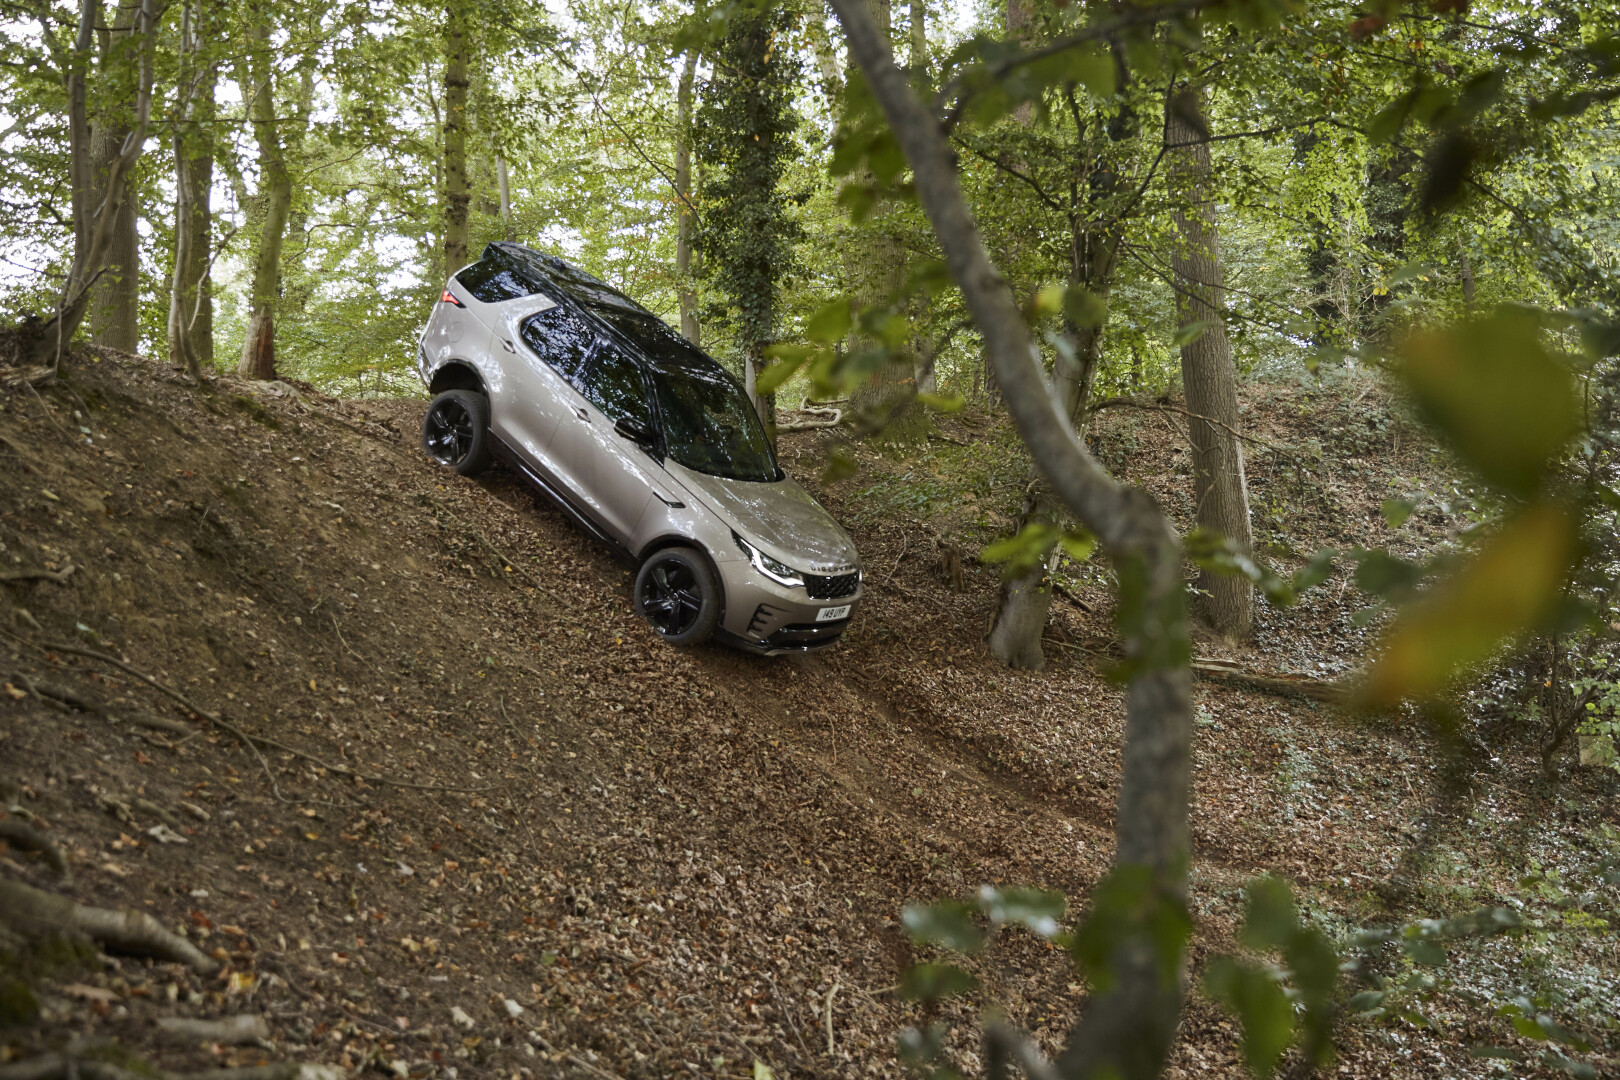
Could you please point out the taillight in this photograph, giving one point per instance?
(450, 298)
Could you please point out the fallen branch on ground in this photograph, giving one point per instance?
(1298, 686)
(34, 912)
(85, 703)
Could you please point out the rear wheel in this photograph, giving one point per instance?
(676, 593)
(455, 431)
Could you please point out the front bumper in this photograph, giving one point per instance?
(765, 617)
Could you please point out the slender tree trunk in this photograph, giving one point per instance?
(193, 169)
(1129, 1025)
(457, 195)
(503, 181)
(922, 366)
(275, 204)
(1219, 484)
(684, 220)
(917, 61)
(200, 315)
(1095, 237)
(875, 266)
(97, 201)
(115, 298)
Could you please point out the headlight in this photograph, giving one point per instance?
(779, 572)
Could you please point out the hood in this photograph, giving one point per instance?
(781, 519)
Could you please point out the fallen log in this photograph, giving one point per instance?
(1295, 686)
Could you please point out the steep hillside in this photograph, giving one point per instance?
(487, 825)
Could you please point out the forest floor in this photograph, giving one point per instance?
(513, 835)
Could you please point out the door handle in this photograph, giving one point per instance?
(582, 414)
(509, 347)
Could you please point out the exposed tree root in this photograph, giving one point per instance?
(68, 1067)
(24, 837)
(33, 912)
(85, 703)
(58, 576)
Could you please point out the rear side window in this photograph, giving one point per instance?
(491, 284)
(561, 336)
(613, 383)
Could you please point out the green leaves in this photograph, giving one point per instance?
(946, 922)
(1030, 547)
(1510, 586)
(1215, 552)
(929, 982)
(1129, 906)
(1278, 1004)
(1491, 386)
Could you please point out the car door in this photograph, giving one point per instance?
(614, 475)
(539, 352)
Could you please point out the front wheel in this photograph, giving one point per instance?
(455, 431)
(676, 593)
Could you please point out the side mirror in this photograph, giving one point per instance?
(634, 430)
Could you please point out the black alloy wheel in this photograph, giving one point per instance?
(455, 431)
(676, 593)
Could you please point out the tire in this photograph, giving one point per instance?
(455, 431)
(677, 594)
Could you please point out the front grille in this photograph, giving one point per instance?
(831, 588)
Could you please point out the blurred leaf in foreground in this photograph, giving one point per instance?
(1512, 585)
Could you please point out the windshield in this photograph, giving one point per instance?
(709, 424)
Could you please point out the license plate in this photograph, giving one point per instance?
(828, 614)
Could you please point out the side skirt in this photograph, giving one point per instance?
(511, 459)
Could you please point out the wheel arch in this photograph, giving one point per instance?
(674, 540)
(456, 375)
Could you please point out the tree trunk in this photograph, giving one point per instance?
(1129, 1025)
(918, 60)
(1095, 237)
(886, 403)
(97, 199)
(193, 175)
(1219, 485)
(116, 297)
(275, 203)
(457, 195)
(685, 220)
(503, 181)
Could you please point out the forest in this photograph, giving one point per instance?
(1223, 397)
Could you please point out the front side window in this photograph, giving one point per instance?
(613, 382)
(561, 337)
(490, 283)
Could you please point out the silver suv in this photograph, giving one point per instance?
(645, 441)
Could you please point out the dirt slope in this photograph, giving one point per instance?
(508, 833)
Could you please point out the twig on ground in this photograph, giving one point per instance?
(58, 576)
(781, 1004)
(905, 542)
(345, 644)
(829, 1003)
